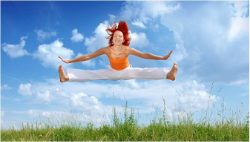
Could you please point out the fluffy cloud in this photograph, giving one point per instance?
(15, 50)
(98, 40)
(48, 53)
(25, 89)
(204, 37)
(42, 35)
(240, 8)
(238, 28)
(146, 11)
(44, 95)
(29, 89)
(183, 98)
(5, 87)
(76, 36)
(211, 41)
(138, 24)
(138, 40)
(149, 14)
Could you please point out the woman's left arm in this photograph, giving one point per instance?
(138, 53)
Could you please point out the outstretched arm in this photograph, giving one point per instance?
(138, 53)
(86, 57)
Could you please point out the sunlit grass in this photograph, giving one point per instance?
(128, 128)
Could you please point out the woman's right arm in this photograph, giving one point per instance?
(86, 57)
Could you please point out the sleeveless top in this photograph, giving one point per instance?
(118, 63)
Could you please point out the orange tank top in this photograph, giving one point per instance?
(118, 63)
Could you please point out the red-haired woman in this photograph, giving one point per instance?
(118, 52)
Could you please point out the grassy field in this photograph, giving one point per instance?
(128, 129)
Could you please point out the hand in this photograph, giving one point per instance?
(65, 61)
(167, 56)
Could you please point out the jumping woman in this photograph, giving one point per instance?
(118, 52)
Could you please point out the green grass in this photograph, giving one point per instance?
(128, 129)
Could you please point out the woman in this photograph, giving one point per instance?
(118, 52)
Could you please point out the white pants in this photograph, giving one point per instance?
(111, 74)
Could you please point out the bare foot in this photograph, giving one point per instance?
(172, 73)
(62, 76)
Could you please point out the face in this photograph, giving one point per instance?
(118, 38)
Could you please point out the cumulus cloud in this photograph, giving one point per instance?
(42, 35)
(238, 28)
(98, 40)
(139, 24)
(240, 8)
(25, 89)
(29, 89)
(200, 43)
(76, 36)
(44, 95)
(224, 38)
(145, 11)
(5, 87)
(148, 16)
(138, 40)
(184, 97)
(15, 50)
(48, 53)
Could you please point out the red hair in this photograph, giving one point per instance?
(123, 27)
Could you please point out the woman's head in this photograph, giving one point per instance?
(119, 34)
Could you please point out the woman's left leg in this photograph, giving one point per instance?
(62, 76)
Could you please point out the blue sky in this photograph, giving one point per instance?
(210, 42)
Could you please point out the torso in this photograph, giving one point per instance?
(117, 53)
(118, 57)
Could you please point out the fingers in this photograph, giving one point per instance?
(62, 59)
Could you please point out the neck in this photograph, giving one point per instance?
(118, 47)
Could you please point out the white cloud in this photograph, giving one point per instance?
(86, 103)
(48, 53)
(228, 41)
(239, 82)
(42, 35)
(41, 93)
(98, 40)
(185, 96)
(76, 36)
(240, 8)
(144, 11)
(238, 28)
(44, 96)
(139, 24)
(226, 33)
(25, 89)
(150, 14)
(2, 114)
(138, 40)
(112, 18)
(5, 87)
(16, 50)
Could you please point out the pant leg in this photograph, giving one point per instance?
(145, 73)
(111, 74)
(85, 75)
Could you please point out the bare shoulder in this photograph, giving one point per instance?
(127, 48)
(131, 50)
(104, 49)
